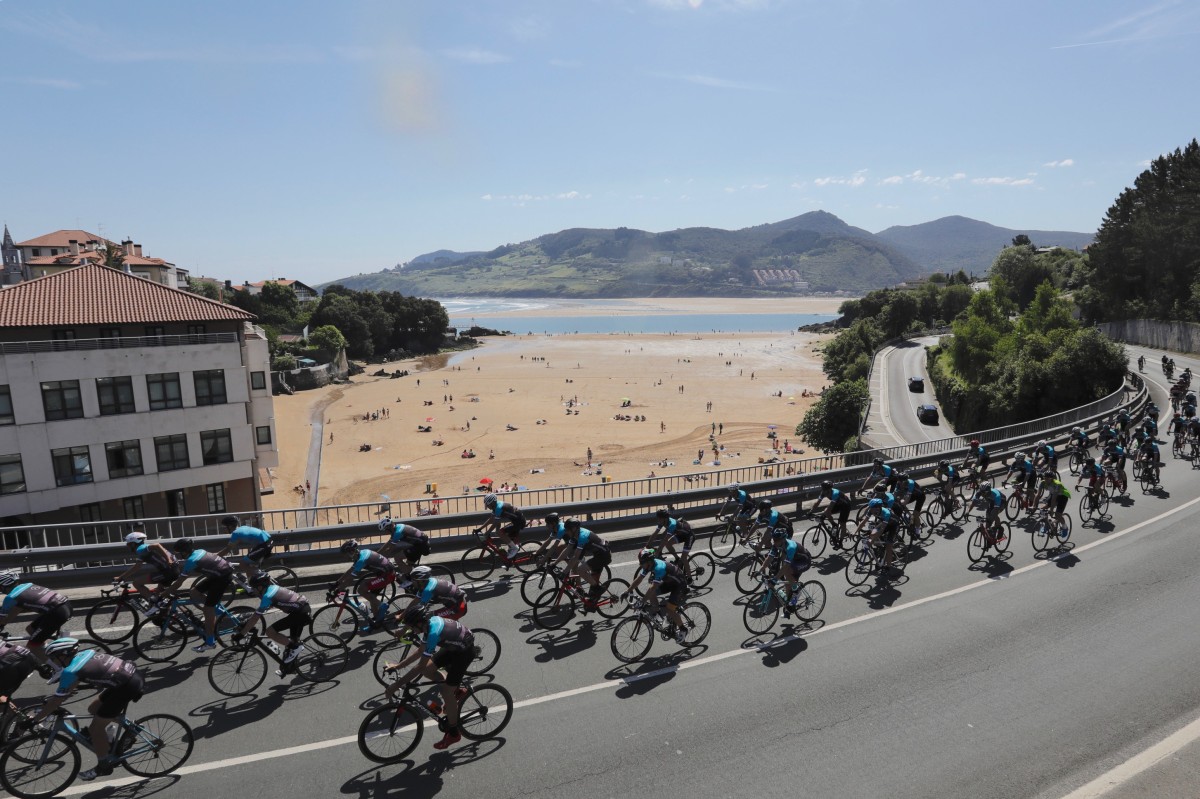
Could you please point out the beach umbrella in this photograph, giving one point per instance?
(429, 418)
(770, 427)
(486, 481)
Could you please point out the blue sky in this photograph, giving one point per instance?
(314, 140)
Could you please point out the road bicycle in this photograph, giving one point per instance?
(486, 654)
(44, 762)
(872, 557)
(478, 562)
(699, 568)
(1044, 536)
(556, 606)
(391, 732)
(348, 615)
(280, 574)
(947, 501)
(825, 532)
(736, 532)
(1018, 501)
(762, 611)
(162, 636)
(751, 572)
(1077, 455)
(239, 669)
(1177, 444)
(984, 539)
(633, 636)
(403, 585)
(1149, 478)
(1094, 506)
(114, 618)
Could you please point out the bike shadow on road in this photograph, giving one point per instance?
(883, 593)
(161, 676)
(994, 566)
(418, 780)
(228, 713)
(638, 679)
(136, 790)
(788, 645)
(559, 644)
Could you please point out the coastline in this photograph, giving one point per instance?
(660, 306)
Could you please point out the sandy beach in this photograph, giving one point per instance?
(531, 407)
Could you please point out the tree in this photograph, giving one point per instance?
(278, 305)
(835, 417)
(343, 313)
(113, 255)
(1021, 240)
(203, 288)
(1022, 271)
(954, 300)
(328, 340)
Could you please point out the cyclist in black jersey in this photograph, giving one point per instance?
(214, 576)
(155, 564)
(50, 610)
(507, 519)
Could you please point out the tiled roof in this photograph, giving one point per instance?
(92, 258)
(62, 238)
(97, 295)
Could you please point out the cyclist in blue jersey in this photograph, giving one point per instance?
(977, 459)
(887, 528)
(1149, 456)
(838, 500)
(155, 564)
(297, 615)
(430, 589)
(1114, 457)
(50, 610)
(993, 499)
(507, 519)
(946, 475)
(582, 542)
(887, 497)
(258, 544)
(910, 493)
(746, 506)
(120, 680)
(1044, 456)
(449, 645)
(1093, 474)
(880, 470)
(405, 540)
(1023, 474)
(367, 563)
(665, 578)
(556, 537)
(214, 573)
(675, 530)
(793, 559)
(1079, 438)
(771, 520)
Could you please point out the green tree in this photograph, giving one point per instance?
(899, 314)
(339, 310)
(1047, 312)
(835, 417)
(1021, 240)
(279, 306)
(113, 255)
(954, 300)
(1022, 271)
(328, 341)
(203, 288)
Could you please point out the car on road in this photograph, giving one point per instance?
(928, 414)
(916, 384)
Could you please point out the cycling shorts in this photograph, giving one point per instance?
(455, 661)
(259, 552)
(1031, 480)
(601, 559)
(213, 588)
(800, 563)
(1060, 503)
(685, 537)
(377, 583)
(161, 576)
(47, 625)
(114, 701)
(674, 591)
(12, 676)
(415, 551)
(295, 623)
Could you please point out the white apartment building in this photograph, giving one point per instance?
(121, 398)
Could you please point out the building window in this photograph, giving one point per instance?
(6, 409)
(171, 452)
(216, 497)
(89, 512)
(124, 458)
(152, 330)
(12, 475)
(262, 435)
(110, 332)
(115, 395)
(72, 465)
(36, 252)
(217, 446)
(258, 380)
(134, 509)
(164, 391)
(61, 400)
(210, 387)
(196, 330)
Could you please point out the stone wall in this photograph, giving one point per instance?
(1173, 336)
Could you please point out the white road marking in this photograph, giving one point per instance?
(1119, 775)
(885, 409)
(691, 664)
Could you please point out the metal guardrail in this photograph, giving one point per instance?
(313, 543)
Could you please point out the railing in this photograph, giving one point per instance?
(115, 342)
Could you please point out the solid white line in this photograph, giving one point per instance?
(1119, 775)
(317, 745)
(885, 409)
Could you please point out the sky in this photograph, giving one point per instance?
(313, 139)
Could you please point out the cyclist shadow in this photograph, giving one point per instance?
(883, 594)
(160, 676)
(1103, 526)
(994, 567)
(409, 778)
(834, 563)
(137, 790)
(785, 648)
(642, 678)
(948, 530)
(526, 618)
(221, 717)
(560, 644)
(504, 584)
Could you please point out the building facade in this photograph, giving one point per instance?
(121, 398)
(66, 249)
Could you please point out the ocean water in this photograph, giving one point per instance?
(601, 316)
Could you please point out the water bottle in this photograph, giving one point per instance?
(274, 647)
(435, 707)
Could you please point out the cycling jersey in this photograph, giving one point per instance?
(509, 513)
(283, 598)
(1080, 438)
(442, 591)
(1117, 455)
(1024, 468)
(946, 474)
(888, 499)
(247, 536)
(157, 557)
(745, 504)
(35, 598)
(1057, 489)
(16, 663)
(794, 553)
(371, 563)
(885, 514)
(405, 535)
(884, 471)
(207, 564)
(678, 529)
(1046, 452)
(1093, 472)
(776, 519)
(95, 668)
(448, 634)
(836, 497)
(994, 498)
(663, 574)
(588, 543)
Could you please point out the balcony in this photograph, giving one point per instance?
(121, 342)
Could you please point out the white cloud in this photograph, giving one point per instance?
(855, 180)
(1169, 18)
(714, 82)
(522, 199)
(958, 176)
(894, 180)
(1063, 162)
(1002, 181)
(475, 55)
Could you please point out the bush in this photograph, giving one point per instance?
(283, 363)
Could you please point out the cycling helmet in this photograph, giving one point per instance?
(875, 503)
(135, 539)
(1076, 430)
(385, 523)
(1090, 462)
(1020, 456)
(62, 646)
(571, 524)
(420, 573)
(647, 554)
(878, 461)
(733, 488)
(826, 485)
(779, 532)
(260, 580)
(663, 514)
(489, 501)
(8, 579)
(184, 547)
(943, 464)
(415, 614)
(551, 519)
(230, 522)
(1041, 443)
(881, 487)
(764, 505)
(985, 485)
(349, 547)
(974, 442)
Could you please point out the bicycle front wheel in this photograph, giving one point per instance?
(537, 583)
(478, 563)
(722, 542)
(609, 605)
(859, 566)
(554, 609)
(761, 612)
(337, 620)
(976, 545)
(1041, 536)
(32, 767)
(701, 568)
(390, 732)
(111, 620)
(284, 577)
(631, 639)
(815, 540)
(392, 652)
(237, 671)
(1012, 508)
(484, 711)
(746, 576)
(1004, 537)
(160, 641)
(1064, 532)
(323, 657)
(698, 619)
(810, 602)
(487, 652)
(155, 745)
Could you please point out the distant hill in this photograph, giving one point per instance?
(441, 258)
(956, 242)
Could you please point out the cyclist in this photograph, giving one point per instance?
(120, 680)
(1022, 468)
(1152, 412)
(1093, 473)
(156, 565)
(881, 493)
(909, 491)
(16, 663)
(507, 519)
(214, 575)
(449, 645)
(1141, 363)
(977, 460)
(1193, 429)
(296, 619)
(745, 507)
(1044, 456)
(377, 571)
(557, 537)
(881, 470)
(1123, 421)
(258, 543)
(993, 499)
(1080, 439)
(1176, 427)
(888, 526)
(773, 520)
(1149, 456)
(793, 559)
(665, 578)
(50, 610)
(1114, 458)
(675, 530)
(583, 542)
(947, 476)
(430, 589)
(1058, 497)
(405, 540)
(838, 500)
(1107, 433)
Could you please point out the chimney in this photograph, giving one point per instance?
(128, 246)
(137, 250)
(229, 285)
(74, 246)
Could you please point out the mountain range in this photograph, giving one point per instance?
(814, 252)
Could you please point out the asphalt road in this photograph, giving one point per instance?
(897, 404)
(1028, 677)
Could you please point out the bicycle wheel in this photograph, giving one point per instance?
(554, 608)
(1085, 508)
(1102, 505)
(761, 612)
(1064, 532)
(815, 540)
(859, 566)
(927, 527)
(478, 563)
(699, 621)
(1076, 462)
(722, 542)
(609, 605)
(1004, 541)
(88, 643)
(390, 732)
(28, 771)
(1040, 536)
(391, 652)
(323, 657)
(701, 568)
(484, 711)
(155, 745)
(284, 577)
(631, 639)
(111, 620)
(1147, 480)
(1012, 506)
(811, 601)
(535, 584)
(337, 620)
(160, 641)
(976, 546)
(487, 652)
(525, 560)
(746, 576)
(237, 671)
(937, 509)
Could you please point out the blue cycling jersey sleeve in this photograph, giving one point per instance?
(496, 510)
(10, 601)
(561, 531)
(267, 597)
(192, 560)
(585, 535)
(436, 625)
(360, 561)
(248, 535)
(790, 551)
(660, 571)
(427, 592)
(70, 675)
